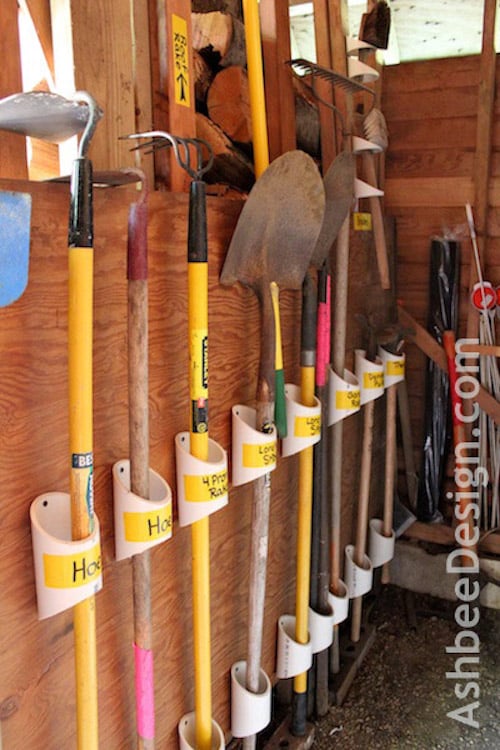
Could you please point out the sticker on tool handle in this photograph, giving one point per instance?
(381, 547)
(358, 578)
(370, 375)
(202, 486)
(199, 380)
(84, 462)
(293, 657)
(66, 571)
(362, 221)
(394, 366)
(250, 712)
(182, 82)
(305, 422)
(140, 523)
(254, 452)
(343, 396)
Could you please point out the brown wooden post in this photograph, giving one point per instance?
(280, 99)
(98, 38)
(13, 162)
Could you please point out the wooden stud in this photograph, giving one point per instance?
(12, 147)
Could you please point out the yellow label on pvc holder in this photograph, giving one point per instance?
(259, 456)
(254, 452)
(202, 486)
(140, 523)
(206, 487)
(71, 571)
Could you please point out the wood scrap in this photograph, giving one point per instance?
(219, 38)
(231, 166)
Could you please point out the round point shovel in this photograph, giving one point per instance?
(273, 242)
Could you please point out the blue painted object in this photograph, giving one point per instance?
(15, 218)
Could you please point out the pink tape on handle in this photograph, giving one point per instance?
(323, 336)
(144, 692)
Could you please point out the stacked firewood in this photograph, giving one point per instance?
(223, 116)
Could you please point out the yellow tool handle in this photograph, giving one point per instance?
(81, 481)
(200, 538)
(256, 85)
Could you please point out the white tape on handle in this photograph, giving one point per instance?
(140, 523)
(358, 580)
(370, 375)
(66, 571)
(394, 366)
(381, 548)
(339, 603)
(343, 396)
(187, 734)
(202, 486)
(304, 422)
(293, 658)
(250, 712)
(254, 452)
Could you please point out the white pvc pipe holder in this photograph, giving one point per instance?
(250, 712)
(353, 45)
(186, 729)
(140, 523)
(394, 366)
(339, 603)
(202, 486)
(343, 396)
(361, 71)
(370, 375)
(362, 145)
(304, 422)
(254, 452)
(358, 579)
(293, 657)
(381, 547)
(66, 571)
(363, 189)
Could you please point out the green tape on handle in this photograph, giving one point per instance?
(280, 404)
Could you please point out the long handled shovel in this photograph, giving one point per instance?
(81, 256)
(273, 242)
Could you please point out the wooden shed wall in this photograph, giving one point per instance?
(432, 113)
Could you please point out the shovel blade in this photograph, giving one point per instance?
(278, 225)
(15, 216)
(339, 191)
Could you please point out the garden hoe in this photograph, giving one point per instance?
(53, 118)
(273, 242)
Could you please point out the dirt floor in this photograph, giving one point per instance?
(400, 696)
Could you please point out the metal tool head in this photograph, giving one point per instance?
(278, 226)
(44, 115)
(94, 114)
(339, 194)
(203, 153)
(302, 67)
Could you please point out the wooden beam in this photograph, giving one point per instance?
(434, 351)
(39, 11)
(93, 51)
(439, 533)
(280, 98)
(13, 162)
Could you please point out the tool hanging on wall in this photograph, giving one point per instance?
(138, 379)
(269, 245)
(81, 256)
(197, 258)
(261, 162)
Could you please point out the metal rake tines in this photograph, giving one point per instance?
(180, 146)
(336, 79)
